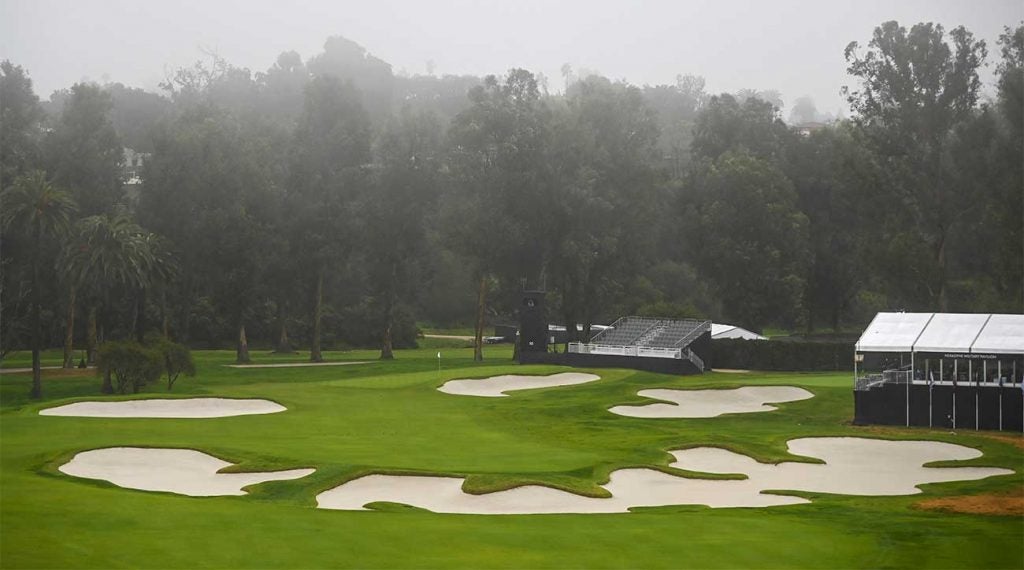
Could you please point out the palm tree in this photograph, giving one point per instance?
(33, 205)
(109, 251)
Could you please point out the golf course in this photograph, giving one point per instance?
(390, 418)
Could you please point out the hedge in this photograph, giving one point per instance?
(781, 355)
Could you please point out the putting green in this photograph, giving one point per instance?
(389, 417)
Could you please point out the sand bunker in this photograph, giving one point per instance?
(167, 408)
(496, 386)
(855, 466)
(182, 471)
(711, 403)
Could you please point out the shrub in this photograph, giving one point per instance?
(177, 360)
(130, 364)
(781, 355)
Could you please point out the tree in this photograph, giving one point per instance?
(84, 151)
(177, 360)
(331, 147)
(770, 96)
(347, 61)
(914, 90)
(748, 237)
(498, 165)
(20, 115)
(804, 111)
(108, 253)
(282, 88)
(135, 113)
(20, 135)
(396, 212)
(35, 207)
(209, 188)
(836, 181)
(604, 203)
(1008, 207)
(130, 364)
(727, 123)
(676, 107)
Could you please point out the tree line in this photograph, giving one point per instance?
(329, 202)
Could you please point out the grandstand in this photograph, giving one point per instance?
(650, 338)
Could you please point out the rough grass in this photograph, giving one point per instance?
(388, 417)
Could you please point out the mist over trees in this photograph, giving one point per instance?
(328, 202)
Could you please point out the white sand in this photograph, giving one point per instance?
(182, 471)
(711, 403)
(496, 386)
(166, 408)
(296, 364)
(855, 466)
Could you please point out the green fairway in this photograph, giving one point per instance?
(388, 417)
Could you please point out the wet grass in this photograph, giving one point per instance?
(388, 417)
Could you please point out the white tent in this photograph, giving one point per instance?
(721, 331)
(1004, 334)
(966, 333)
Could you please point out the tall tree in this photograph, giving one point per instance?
(21, 132)
(36, 208)
(605, 203)
(84, 151)
(915, 88)
(727, 123)
(749, 238)
(108, 254)
(331, 148)
(20, 115)
(498, 164)
(396, 211)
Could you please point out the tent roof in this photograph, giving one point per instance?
(893, 332)
(1004, 334)
(719, 330)
(944, 332)
(951, 332)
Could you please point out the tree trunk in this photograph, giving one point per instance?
(284, 346)
(165, 321)
(186, 322)
(478, 333)
(37, 325)
(242, 351)
(91, 337)
(570, 326)
(108, 386)
(140, 318)
(386, 347)
(940, 258)
(69, 330)
(315, 355)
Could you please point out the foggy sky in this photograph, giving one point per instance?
(794, 46)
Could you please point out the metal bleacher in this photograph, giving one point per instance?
(648, 337)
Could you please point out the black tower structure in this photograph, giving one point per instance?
(533, 323)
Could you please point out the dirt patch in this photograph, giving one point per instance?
(1015, 440)
(1010, 504)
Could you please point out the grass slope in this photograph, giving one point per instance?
(388, 417)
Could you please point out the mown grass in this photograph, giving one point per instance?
(388, 417)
